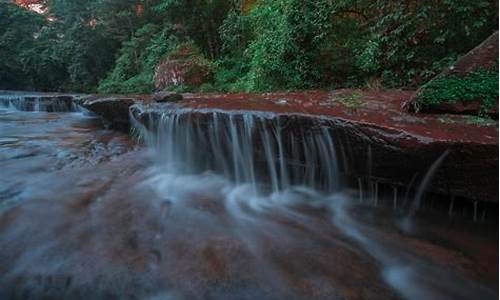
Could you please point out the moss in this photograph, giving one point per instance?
(481, 85)
(351, 101)
(469, 120)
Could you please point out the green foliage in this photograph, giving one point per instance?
(18, 28)
(413, 36)
(276, 46)
(476, 86)
(115, 45)
(469, 120)
(351, 101)
(292, 44)
(70, 48)
(134, 68)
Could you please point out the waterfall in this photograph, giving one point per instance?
(406, 223)
(248, 148)
(37, 103)
(259, 165)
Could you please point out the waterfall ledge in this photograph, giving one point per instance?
(374, 139)
(376, 142)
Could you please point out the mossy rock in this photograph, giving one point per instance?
(468, 87)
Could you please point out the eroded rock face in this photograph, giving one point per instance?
(370, 153)
(114, 110)
(375, 140)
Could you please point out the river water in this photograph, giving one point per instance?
(88, 213)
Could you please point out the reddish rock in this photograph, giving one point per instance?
(461, 108)
(115, 110)
(482, 57)
(167, 97)
(183, 67)
(373, 129)
(398, 146)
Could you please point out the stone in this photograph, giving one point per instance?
(482, 57)
(377, 142)
(184, 67)
(114, 110)
(167, 97)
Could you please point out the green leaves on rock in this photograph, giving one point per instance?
(481, 86)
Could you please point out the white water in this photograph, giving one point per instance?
(249, 149)
(252, 163)
(37, 103)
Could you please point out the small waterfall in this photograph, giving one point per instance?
(415, 205)
(248, 148)
(262, 164)
(37, 103)
(425, 182)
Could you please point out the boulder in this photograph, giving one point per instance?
(167, 97)
(114, 110)
(183, 67)
(482, 57)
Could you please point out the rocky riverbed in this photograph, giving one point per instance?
(373, 130)
(88, 212)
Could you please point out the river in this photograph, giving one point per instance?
(89, 213)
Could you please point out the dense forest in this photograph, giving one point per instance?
(238, 45)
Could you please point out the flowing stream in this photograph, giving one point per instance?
(224, 206)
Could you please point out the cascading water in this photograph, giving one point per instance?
(218, 205)
(406, 224)
(38, 103)
(257, 164)
(248, 148)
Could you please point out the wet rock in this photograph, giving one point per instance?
(385, 147)
(167, 97)
(114, 110)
